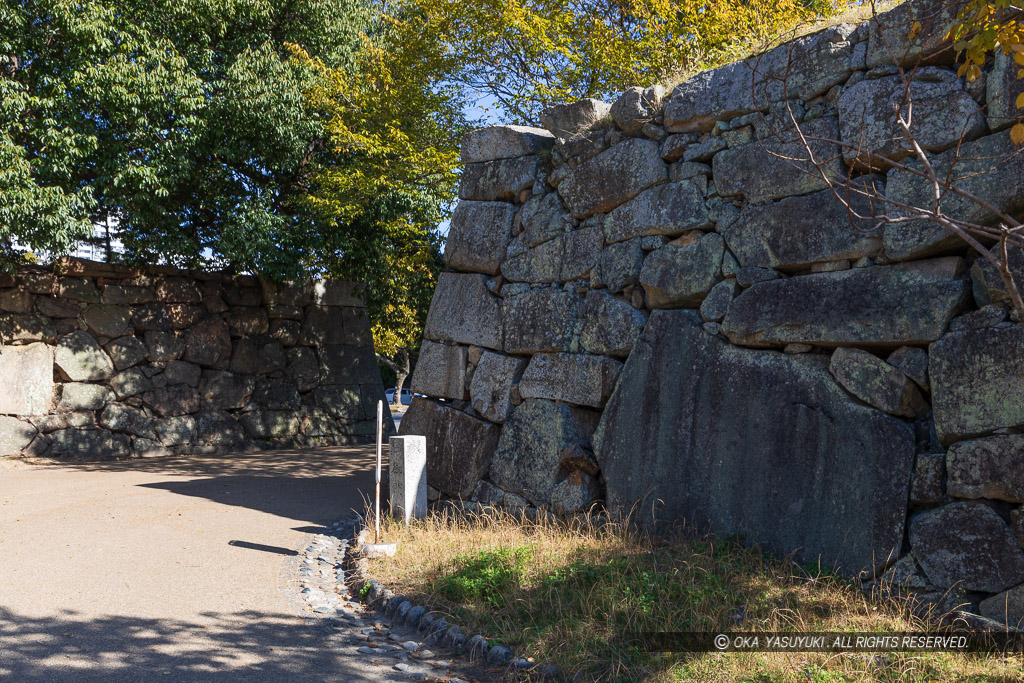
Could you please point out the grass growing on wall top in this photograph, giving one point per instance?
(561, 593)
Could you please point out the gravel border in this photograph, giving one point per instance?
(390, 649)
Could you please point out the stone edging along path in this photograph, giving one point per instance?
(387, 629)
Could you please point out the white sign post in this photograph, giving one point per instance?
(407, 470)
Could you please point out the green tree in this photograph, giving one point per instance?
(394, 125)
(185, 121)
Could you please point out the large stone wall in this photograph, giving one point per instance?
(656, 306)
(101, 361)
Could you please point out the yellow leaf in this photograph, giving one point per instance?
(1020, 101)
(1018, 57)
(1017, 134)
(915, 28)
(1017, 47)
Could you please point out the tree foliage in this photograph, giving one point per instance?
(185, 121)
(287, 138)
(529, 54)
(981, 27)
(394, 128)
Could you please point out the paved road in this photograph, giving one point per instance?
(169, 569)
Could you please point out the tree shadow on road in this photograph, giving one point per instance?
(247, 646)
(309, 486)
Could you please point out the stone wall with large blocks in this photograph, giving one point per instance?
(659, 306)
(102, 361)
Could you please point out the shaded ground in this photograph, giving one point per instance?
(170, 568)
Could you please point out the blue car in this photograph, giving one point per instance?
(406, 396)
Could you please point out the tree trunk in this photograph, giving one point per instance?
(401, 372)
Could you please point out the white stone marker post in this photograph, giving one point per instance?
(407, 467)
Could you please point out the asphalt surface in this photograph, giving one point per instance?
(170, 569)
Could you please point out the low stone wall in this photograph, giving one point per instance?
(653, 306)
(101, 361)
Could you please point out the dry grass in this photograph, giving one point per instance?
(561, 593)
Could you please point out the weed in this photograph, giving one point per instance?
(487, 575)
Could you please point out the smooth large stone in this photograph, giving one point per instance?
(504, 142)
(967, 544)
(803, 68)
(610, 325)
(778, 166)
(799, 231)
(537, 440)
(1003, 87)
(15, 435)
(539, 321)
(500, 180)
(479, 236)
(736, 440)
(81, 359)
(943, 115)
(676, 276)
(989, 167)
(30, 369)
(459, 446)
(910, 303)
(990, 468)
(440, 371)
(613, 177)
(464, 311)
(669, 209)
(576, 378)
(877, 383)
(977, 379)
(490, 392)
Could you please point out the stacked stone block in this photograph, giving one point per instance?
(102, 361)
(660, 306)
